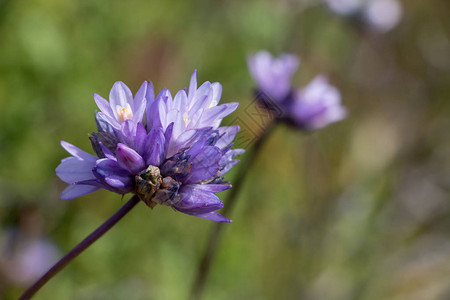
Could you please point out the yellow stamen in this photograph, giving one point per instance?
(124, 113)
(185, 119)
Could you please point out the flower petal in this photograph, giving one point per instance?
(194, 200)
(154, 147)
(129, 159)
(150, 94)
(109, 172)
(141, 136)
(140, 103)
(77, 152)
(213, 216)
(227, 135)
(120, 95)
(73, 169)
(103, 104)
(76, 190)
(110, 120)
(205, 165)
(192, 85)
(213, 188)
(214, 115)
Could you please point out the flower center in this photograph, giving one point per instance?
(124, 113)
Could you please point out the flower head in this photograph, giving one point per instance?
(273, 75)
(317, 105)
(312, 107)
(177, 157)
(31, 256)
(381, 15)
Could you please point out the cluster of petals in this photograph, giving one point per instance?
(167, 150)
(312, 107)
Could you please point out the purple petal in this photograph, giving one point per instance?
(195, 200)
(184, 140)
(203, 91)
(205, 165)
(150, 94)
(213, 188)
(129, 159)
(127, 133)
(75, 190)
(119, 182)
(102, 124)
(192, 85)
(140, 103)
(227, 135)
(120, 95)
(168, 138)
(217, 93)
(107, 152)
(213, 216)
(103, 104)
(215, 114)
(77, 152)
(154, 147)
(175, 117)
(228, 166)
(73, 169)
(111, 173)
(106, 167)
(157, 112)
(141, 136)
(203, 97)
(317, 105)
(180, 101)
(110, 119)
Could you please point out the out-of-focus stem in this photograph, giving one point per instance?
(229, 203)
(89, 240)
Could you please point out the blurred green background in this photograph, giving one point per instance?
(358, 210)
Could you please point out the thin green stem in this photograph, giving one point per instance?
(230, 201)
(89, 240)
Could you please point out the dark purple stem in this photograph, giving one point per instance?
(94, 236)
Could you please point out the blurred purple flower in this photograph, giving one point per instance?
(24, 257)
(176, 157)
(317, 105)
(312, 107)
(273, 75)
(381, 15)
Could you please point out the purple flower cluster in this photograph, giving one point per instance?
(312, 107)
(167, 150)
(381, 15)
